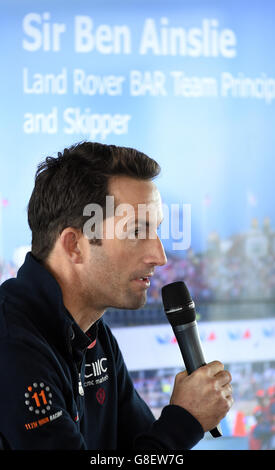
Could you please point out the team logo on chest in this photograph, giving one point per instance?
(100, 395)
(96, 372)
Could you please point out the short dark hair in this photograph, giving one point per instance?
(76, 177)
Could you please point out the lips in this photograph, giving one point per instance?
(144, 280)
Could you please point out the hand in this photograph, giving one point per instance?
(206, 393)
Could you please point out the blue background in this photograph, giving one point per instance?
(218, 147)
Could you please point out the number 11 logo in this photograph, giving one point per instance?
(41, 400)
(42, 395)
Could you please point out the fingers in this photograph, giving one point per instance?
(222, 378)
(230, 401)
(219, 378)
(214, 368)
(222, 383)
(206, 393)
(226, 391)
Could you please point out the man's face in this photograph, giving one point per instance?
(117, 272)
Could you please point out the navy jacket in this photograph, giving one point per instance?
(62, 388)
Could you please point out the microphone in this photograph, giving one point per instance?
(180, 311)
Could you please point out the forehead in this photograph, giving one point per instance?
(127, 190)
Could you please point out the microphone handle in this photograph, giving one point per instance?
(190, 346)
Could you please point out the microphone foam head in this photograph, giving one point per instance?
(175, 295)
(178, 304)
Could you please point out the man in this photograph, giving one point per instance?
(64, 381)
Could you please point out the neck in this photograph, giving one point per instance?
(75, 299)
(85, 316)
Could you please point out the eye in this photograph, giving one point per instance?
(140, 232)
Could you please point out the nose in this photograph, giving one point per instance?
(155, 253)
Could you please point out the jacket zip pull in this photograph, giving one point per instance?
(80, 387)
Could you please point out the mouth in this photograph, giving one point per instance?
(144, 281)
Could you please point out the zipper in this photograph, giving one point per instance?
(80, 387)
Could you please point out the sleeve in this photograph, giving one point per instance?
(34, 412)
(176, 428)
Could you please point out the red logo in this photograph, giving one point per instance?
(100, 396)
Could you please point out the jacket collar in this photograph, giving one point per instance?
(38, 294)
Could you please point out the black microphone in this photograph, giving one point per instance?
(180, 311)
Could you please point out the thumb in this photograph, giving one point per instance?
(184, 373)
(181, 375)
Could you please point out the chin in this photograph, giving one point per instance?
(139, 303)
(134, 303)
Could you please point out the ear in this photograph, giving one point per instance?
(70, 242)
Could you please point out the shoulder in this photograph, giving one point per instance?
(23, 347)
(15, 325)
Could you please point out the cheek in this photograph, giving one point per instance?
(117, 252)
(108, 264)
(113, 260)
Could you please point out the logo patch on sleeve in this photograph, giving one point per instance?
(38, 398)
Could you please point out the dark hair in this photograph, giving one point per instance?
(66, 184)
